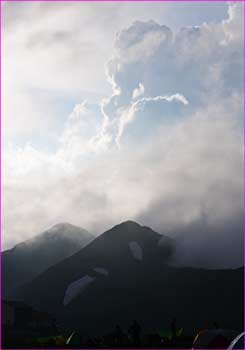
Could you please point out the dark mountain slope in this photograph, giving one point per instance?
(26, 260)
(110, 251)
(197, 298)
(123, 275)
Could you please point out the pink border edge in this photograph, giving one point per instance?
(1, 138)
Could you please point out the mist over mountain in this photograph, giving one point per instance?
(204, 245)
(29, 258)
(125, 274)
(163, 145)
(121, 248)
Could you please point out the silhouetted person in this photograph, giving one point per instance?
(173, 328)
(118, 335)
(135, 331)
(216, 325)
(54, 326)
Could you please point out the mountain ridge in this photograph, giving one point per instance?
(124, 274)
(29, 258)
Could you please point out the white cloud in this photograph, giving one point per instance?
(232, 26)
(54, 54)
(128, 115)
(194, 62)
(138, 91)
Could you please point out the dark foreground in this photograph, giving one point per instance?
(134, 338)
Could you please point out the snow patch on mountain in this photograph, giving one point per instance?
(101, 270)
(136, 250)
(76, 288)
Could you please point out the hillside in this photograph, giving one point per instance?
(28, 259)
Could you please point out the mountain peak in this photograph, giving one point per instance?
(129, 231)
(65, 230)
(61, 226)
(129, 223)
(31, 257)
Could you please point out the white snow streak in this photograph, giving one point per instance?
(76, 288)
(136, 250)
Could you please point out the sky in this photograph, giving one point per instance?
(118, 111)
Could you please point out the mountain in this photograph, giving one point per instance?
(124, 275)
(27, 259)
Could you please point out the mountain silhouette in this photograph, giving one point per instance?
(27, 259)
(123, 275)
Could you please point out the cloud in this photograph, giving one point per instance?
(127, 115)
(58, 52)
(138, 91)
(170, 185)
(232, 26)
(203, 64)
(176, 113)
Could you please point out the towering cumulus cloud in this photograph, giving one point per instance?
(165, 148)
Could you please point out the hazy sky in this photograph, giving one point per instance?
(116, 111)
